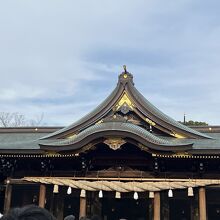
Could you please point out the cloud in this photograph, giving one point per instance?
(63, 57)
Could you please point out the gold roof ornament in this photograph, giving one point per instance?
(176, 135)
(125, 72)
(125, 77)
(125, 101)
(72, 136)
(150, 122)
(100, 121)
(115, 143)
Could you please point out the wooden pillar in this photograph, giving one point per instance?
(82, 207)
(157, 206)
(195, 206)
(8, 194)
(59, 203)
(165, 206)
(202, 203)
(42, 196)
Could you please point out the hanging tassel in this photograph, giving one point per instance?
(170, 193)
(55, 189)
(151, 195)
(190, 191)
(100, 194)
(135, 195)
(83, 193)
(117, 195)
(69, 190)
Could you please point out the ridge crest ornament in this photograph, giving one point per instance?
(125, 77)
(115, 143)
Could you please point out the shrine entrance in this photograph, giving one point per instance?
(180, 209)
(125, 208)
(181, 206)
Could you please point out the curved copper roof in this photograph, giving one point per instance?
(101, 124)
(160, 116)
(122, 129)
(125, 84)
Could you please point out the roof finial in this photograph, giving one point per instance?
(125, 68)
(184, 118)
(125, 76)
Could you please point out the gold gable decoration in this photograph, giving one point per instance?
(115, 143)
(124, 101)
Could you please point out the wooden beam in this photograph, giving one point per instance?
(82, 207)
(8, 194)
(21, 182)
(157, 206)
(42, 195)
(202, 203)
(24, 180)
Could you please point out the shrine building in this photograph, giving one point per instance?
(124, 160)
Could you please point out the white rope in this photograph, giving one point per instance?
(122, 186)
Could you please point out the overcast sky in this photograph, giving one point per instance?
(62, 58)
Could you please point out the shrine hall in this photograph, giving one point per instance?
(126, 159)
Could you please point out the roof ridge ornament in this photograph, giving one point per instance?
(125, 76)
(125, 68)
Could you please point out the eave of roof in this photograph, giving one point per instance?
(21, 142)
(122, 129)
(41, 129)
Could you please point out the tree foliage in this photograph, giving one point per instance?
(15, 119)
(194, 123)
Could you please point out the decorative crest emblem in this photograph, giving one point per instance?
(115, 143)
(125, 104)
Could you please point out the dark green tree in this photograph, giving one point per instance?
(194, 123)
